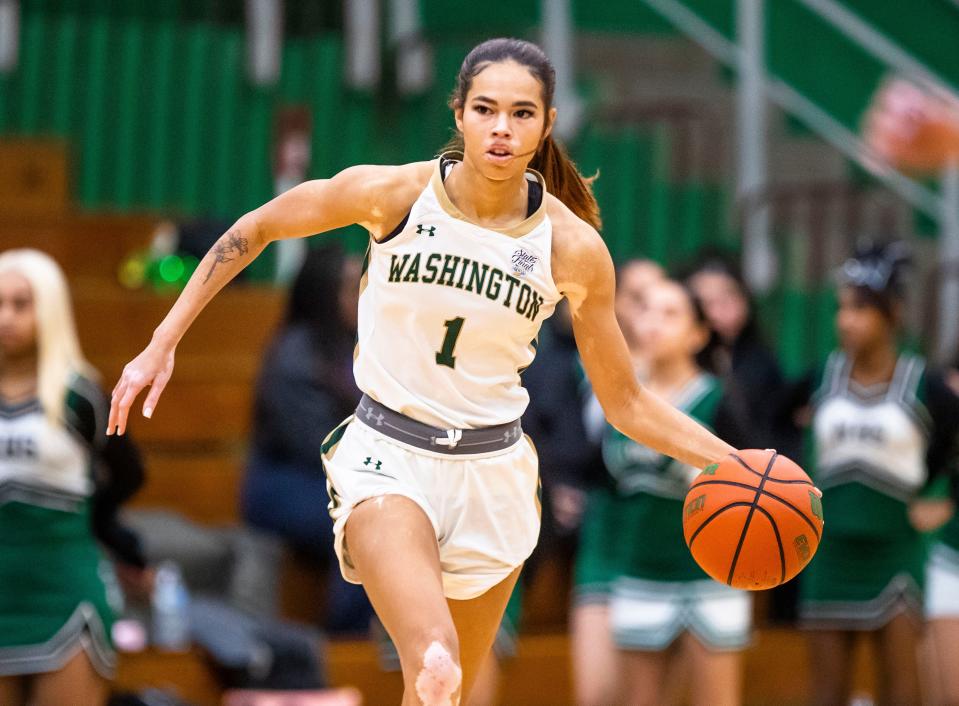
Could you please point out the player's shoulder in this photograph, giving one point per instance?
(568, 225)
(579, 251)
(390, 190)
(384, 182)
(390, 176)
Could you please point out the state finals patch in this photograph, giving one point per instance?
(523, 262)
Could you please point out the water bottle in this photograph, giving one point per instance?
(171, 610)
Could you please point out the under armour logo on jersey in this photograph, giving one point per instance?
(376, 464)
(429, 230)
(523, 262)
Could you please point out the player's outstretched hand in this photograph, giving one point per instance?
(153, 368)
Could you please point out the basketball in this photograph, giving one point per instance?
(753, 520)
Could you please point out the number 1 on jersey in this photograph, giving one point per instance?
(445, 355)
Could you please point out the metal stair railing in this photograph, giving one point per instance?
(747, 55)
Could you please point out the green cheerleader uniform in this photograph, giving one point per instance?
(57, 594)
(871, 451)
(599, 545)
(657, 590)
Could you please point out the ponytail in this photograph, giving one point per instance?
(564, 181)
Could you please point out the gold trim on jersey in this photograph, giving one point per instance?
(365, 268)
(522, 228)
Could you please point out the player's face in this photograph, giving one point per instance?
(503, 120)
(723, 301)
(861, 326)
(668, 328)
(18, 326)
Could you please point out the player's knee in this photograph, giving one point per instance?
(438, 672)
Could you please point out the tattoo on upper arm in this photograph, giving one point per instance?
(226, 250)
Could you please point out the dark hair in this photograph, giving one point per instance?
(713, 261)
(314, 299)
(563, 179)
(875, 273)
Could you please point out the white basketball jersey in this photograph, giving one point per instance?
(449, 313)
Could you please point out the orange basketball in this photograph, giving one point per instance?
(753, 520)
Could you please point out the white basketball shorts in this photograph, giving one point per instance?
(484, 508)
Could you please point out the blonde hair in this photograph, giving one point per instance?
(59, 357)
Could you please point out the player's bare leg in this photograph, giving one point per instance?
(486, 686)
(392, 544)
(477, 621)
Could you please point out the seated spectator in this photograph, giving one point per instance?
(748, 366)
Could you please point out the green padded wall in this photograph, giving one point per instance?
(154, 99)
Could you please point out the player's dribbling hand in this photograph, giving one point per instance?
(153, 368)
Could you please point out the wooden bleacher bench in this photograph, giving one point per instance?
(195, 444)
(226, 339)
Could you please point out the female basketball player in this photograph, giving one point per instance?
(55, 609)
(432, 483)
(882, 424)
(665, 611)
